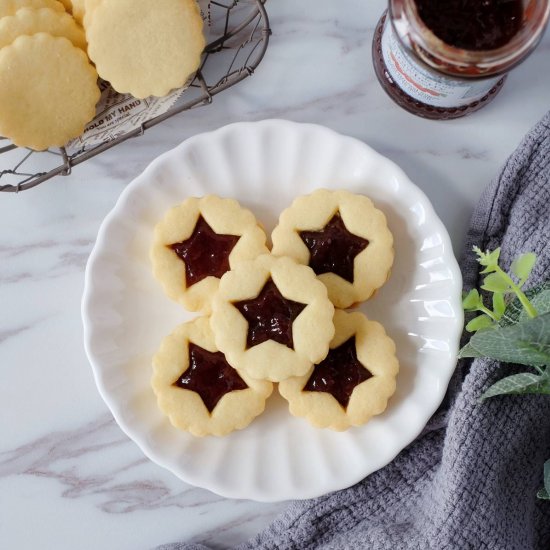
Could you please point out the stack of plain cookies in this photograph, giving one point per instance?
(51, 54)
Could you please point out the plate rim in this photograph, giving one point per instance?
(138, 181)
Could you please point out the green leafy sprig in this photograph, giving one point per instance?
(499, 283)
(515, 329)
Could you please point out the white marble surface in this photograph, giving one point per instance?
(69, 478)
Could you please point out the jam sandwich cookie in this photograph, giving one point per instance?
(48, 91)
(197, 242)
(353, 382)
(343, 238)
(144, 48)
(272, 318)
(197, 388)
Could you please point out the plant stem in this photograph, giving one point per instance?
(527, 305)
(488, 312)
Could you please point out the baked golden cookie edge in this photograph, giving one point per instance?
(30, 21)
(376, 351)
(312, 213)
(185, 408)
(10, 7)
(224, 216)
(124, 54)
(38, 112)
(312, 329)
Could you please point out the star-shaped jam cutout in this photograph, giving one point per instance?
(204, 253)
(333, 248)
(270, 316)
(338, 373)
(209, 375)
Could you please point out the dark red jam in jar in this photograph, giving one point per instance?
(444, 59)
(472, 24)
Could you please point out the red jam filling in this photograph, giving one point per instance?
(472, 24)
(209, 375)
(339, 373)
(205, 253)
(270, 316)
(333, 249)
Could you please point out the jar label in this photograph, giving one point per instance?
(427, 85)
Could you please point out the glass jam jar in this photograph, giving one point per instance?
(444, 59)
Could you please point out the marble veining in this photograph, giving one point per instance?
(63, 460)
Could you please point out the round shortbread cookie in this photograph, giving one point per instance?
(146, 48)
(272, 318)
(353, 383)
(67, 4)
(29, 21)
(48, 91)
(197, 242)
(198, 390)
(343, 238)
(10, 7)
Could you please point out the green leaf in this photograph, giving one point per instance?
(469, 351)
(517, 384)
(499, 305)
(539, 296)
(511, 314)
(487, 259)
(479, 322)
(472, 300)
(541, 302)
(523, 265)
(526, 342)
(495, 282)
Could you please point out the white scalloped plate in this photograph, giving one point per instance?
(265, 165)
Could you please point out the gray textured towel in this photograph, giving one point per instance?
(470, 480)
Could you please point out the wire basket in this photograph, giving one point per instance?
(239, 31)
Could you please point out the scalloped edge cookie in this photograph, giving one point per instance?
(39, 108)
(312, 213)
(224, 216)
(312, 329)
(143, 50)
(376, 351)
(10, 7)
(29, 21)
(184, 408)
